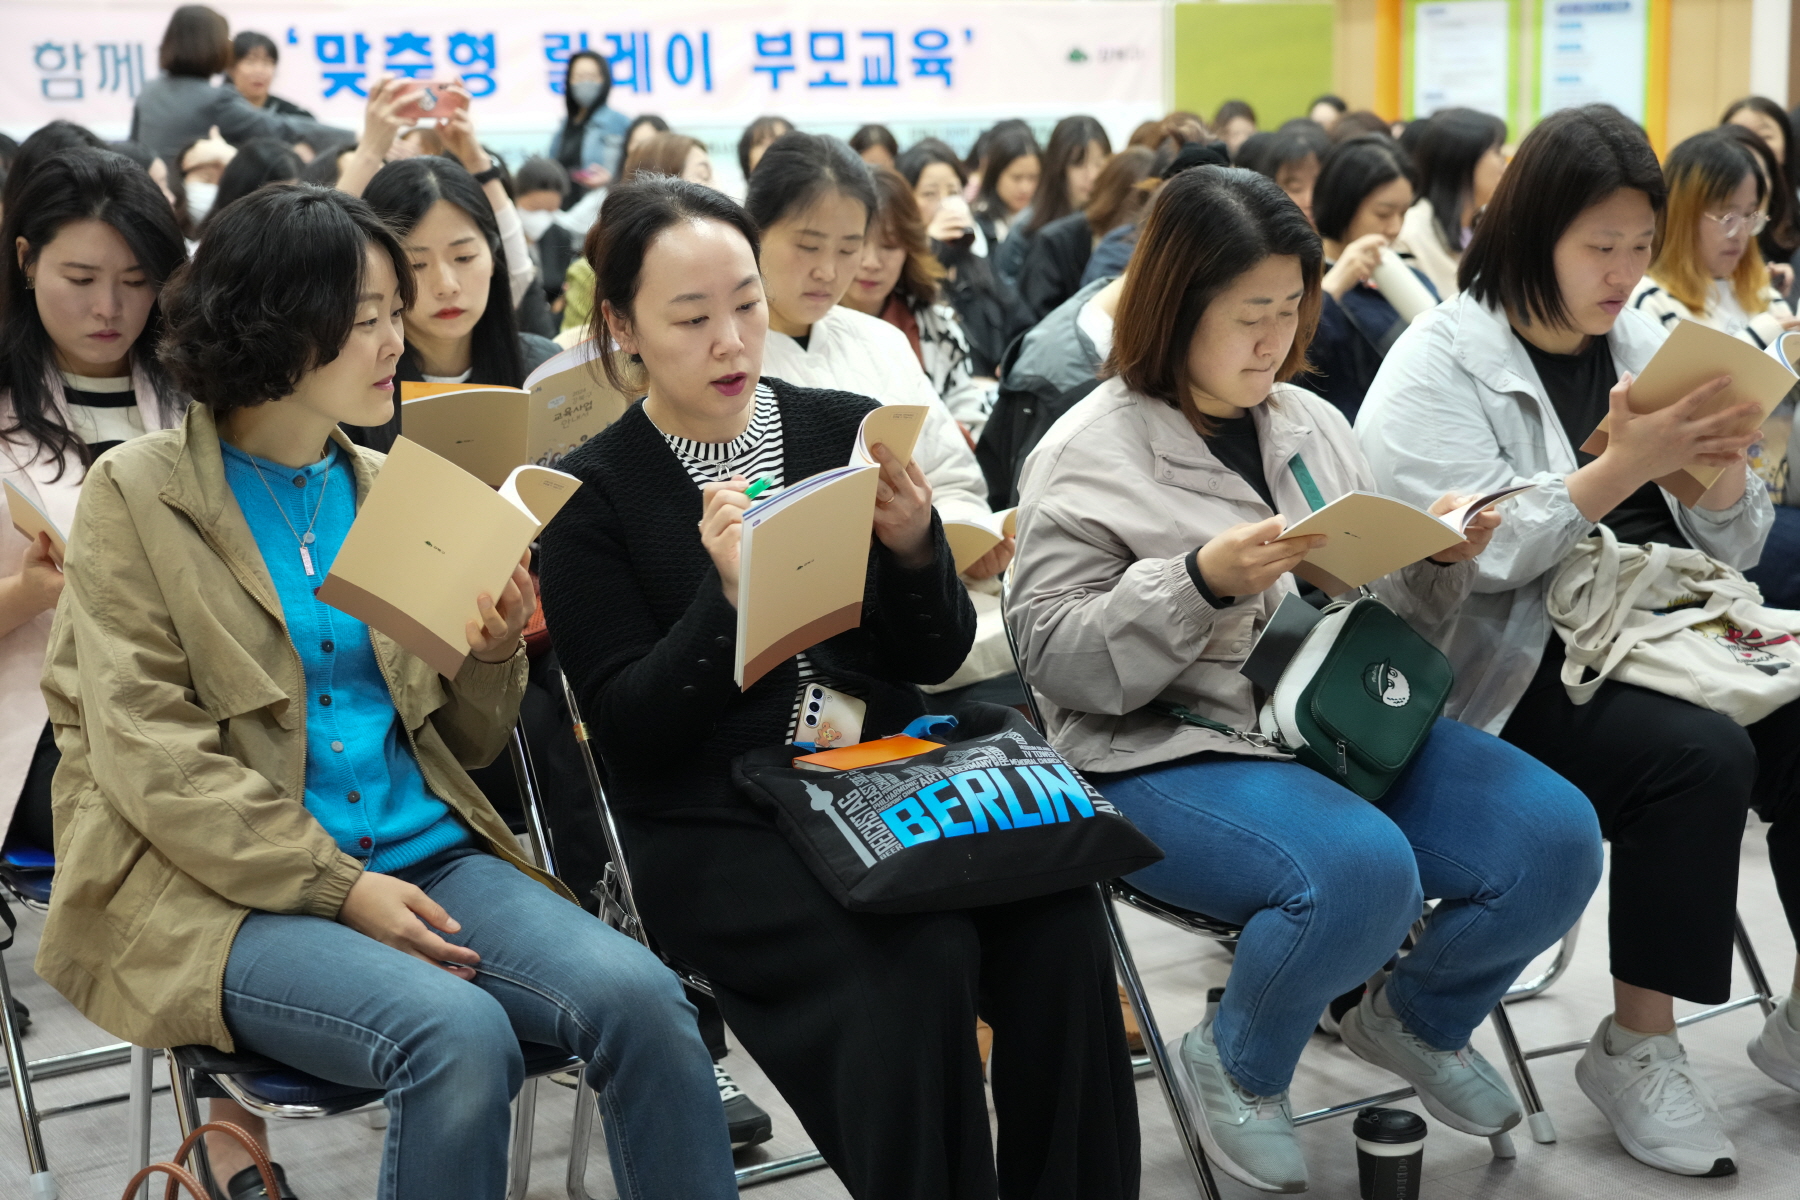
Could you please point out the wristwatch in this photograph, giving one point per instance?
(492, 173)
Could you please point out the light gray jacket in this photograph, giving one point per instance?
(1458, 406)
(173, 110)
(1105, 612)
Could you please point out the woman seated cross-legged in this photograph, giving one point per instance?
(1146, 568)
(267, 839)
(865, 1022)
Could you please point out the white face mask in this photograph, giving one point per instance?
(537, 222)
(200, 197)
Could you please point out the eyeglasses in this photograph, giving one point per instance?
(1733, 223)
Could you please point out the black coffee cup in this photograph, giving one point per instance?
(1390, 1153)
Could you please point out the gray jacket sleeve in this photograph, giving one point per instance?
(239, 121)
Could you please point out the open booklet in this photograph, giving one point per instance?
(896, 425)
(803, 564)
(1694, 355)
(1371, 536)
(31, 520)
(973, 536)
(488, 431)
(429, 538)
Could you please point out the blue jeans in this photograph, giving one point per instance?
(326, 1000)
(1778, 574)
(1326, 884)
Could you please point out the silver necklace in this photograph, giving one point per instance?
(305, 540)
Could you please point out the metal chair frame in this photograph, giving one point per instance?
(618, 907)
(21, 1073)
(1119, 892)
(187, 1109)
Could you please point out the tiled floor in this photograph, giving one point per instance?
(335, 1160)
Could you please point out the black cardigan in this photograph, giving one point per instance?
(644, 631)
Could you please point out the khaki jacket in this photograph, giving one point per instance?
(1106, 615)
(179, 705)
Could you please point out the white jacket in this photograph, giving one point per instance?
(1457, 406)
(1422, 244)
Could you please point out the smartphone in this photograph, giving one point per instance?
(433, 101)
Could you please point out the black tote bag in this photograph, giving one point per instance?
(994, 816)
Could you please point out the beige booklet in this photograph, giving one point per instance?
(802, 567)
(429, 538)
(31, 520)
(972, 537)
(488, 431)
(1371, 536)
(896, 425)
(1694, 355)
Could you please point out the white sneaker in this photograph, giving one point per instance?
(1660, 1110)
(1250, 1137)
(1776, 1050)
(1459, 1087)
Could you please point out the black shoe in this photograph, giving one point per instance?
(247, 1184)
(22, 1015)
(748, 1124)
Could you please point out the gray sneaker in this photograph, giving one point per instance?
(1661, 1112)
(1776, 1049)
(1459, 1087)
(1250, 1137)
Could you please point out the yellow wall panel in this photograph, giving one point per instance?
(1709, 62)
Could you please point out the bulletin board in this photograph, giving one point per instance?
(1592, 52)
(1278, 57)
(1461, 54)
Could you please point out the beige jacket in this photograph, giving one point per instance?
(1105, 612)
(179, 705)
(22, 712)
(1422, 244)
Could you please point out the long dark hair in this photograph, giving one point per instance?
(49, 140)
(401, 194)
(257, 162)
(1454, 140)
(798, 168)
(1004, 146)
(636, 212)
(1068, 145)
(78, 185)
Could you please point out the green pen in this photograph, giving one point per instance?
(759, 487)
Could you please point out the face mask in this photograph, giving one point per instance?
(585, 93)
(536, 222)
(200, 197)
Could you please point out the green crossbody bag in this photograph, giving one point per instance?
(1357, 699)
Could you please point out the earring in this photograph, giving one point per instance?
(30, 283)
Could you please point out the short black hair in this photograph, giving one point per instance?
(923, 153)
(258, 161)
(1230, 111)
(1790, 169)
(1352, 170)
(798, 168)
(1573, 160)
(1336, 101)
(761, 132)
(642, 119)
(401, 193)
(875, 135)
(1267, 153)
(636, 212)
(249, 42)
(196, 42)
(271, 294)
(542, 175)
(1445, 155)
(1309, 131)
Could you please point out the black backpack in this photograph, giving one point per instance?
(1020, 418)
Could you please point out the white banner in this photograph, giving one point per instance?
(702, 66)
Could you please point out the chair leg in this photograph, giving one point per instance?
(141, 1097)
(1543, 1130)
(518, 1177)
(1159, 1054)
(187, 1119)
(1538, 984)
(1753, 966)
(581, 1134)
(43, 1183)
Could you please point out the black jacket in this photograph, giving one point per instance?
(1053, 265)
(647, 637)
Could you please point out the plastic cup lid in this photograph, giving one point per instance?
(1393, 1126)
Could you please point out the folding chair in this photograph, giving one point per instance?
(1118, 892)
(618, 907)
(26, 872)
(270, 1089)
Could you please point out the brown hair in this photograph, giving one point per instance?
(1702, 172)
(1117, 198)
(1206, 228)
(197, 42)
(660, 154)
(897, 221)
